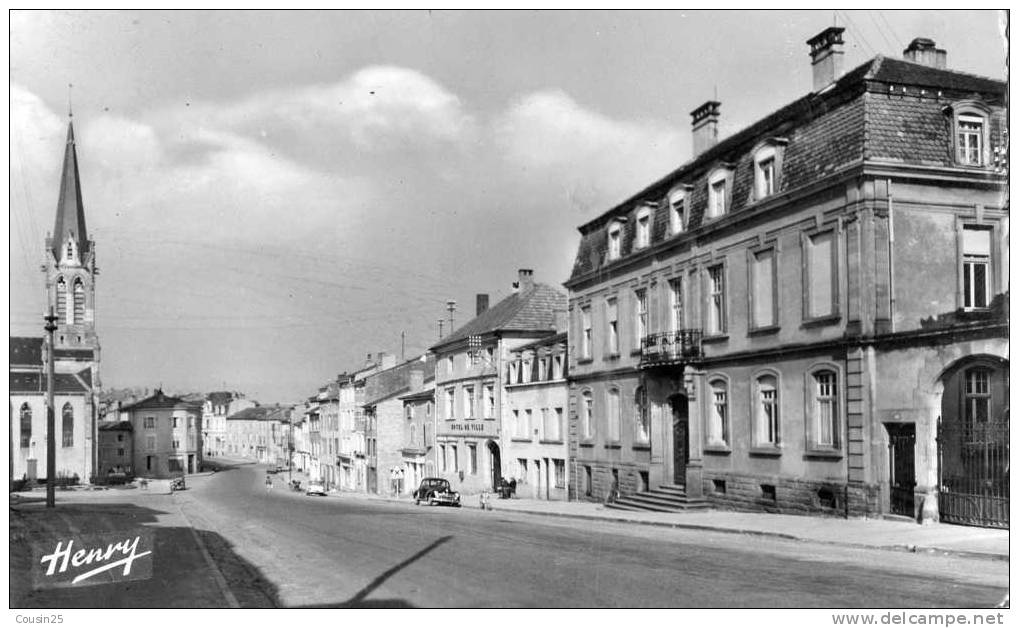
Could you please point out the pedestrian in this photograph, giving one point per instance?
(268, 483)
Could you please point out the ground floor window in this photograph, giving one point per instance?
(588, 482)
(472, 459)
(522, 469)
(560, 472)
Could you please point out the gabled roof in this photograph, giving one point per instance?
(70, 221)
(529, 310)
(25, 351)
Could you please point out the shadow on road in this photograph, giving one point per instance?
(181, 577)
(359, 600)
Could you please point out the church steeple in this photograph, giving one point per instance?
(69, 227)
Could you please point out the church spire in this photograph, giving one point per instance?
(70, 222)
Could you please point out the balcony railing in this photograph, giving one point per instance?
(673, 347)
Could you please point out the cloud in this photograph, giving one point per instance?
(596, 159)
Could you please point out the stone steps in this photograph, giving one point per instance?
(665, 498)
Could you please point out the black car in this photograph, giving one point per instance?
(436, 492)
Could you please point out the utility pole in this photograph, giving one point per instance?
(440, 328)
(403, 346)
(51, 420)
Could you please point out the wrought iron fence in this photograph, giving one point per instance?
(670, 347)
(973, 470)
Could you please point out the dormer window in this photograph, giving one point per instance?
(615, 240)
(719, 192)
(643, 227)
(677, 210)
(768, 167)
(971, 125)
(970, 140)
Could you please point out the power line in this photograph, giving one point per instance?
(901, 41)
(858, 31)
(881, 30)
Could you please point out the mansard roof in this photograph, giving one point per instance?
(886, 110)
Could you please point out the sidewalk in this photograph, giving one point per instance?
(883, 534)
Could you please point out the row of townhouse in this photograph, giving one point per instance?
(808, 316)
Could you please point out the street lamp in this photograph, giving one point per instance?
(51, 421)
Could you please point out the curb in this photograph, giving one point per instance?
(912, 549)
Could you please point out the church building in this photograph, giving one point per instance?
(70, 271)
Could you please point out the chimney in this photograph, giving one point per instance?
(923, 51)
(705, 126)
(482, 304)
(525, 279)
(417, 378)
(826, 56)
(386, 361)
(368, 360)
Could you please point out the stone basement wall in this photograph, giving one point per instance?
(792, 496)
(629, 479)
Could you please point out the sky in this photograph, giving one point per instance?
(274, 195)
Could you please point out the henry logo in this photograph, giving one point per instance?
(94, 559)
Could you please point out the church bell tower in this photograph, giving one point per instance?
(70, 268)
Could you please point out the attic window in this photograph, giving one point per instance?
(768, 167)
(677, 210)
(969, 140)
(615, 237)
(719, 192)
(643, 227)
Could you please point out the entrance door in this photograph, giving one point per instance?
(191, 463)
(901, 465)
(680, 438)
(495, 460)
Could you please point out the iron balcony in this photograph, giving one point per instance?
(671, 347)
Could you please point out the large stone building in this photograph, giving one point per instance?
(782, 322)
(261, 433)
(470, 394)
(218, 406)
(167, 435)
(69, 265)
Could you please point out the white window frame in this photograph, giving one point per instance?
(752, 294)
(613, 415)
(825, 408)
(676, 304)
(612, 325)
(586, 410)
(641, 415)
(468, 402)
(643, 226)
(968, 263)
(719, 403)
(489, 401)
(719, 193)
(615, 239)
(966, 154)
(715, 306)
(585, 333)
(640, 316)
(767, 410)
(809, 314)
(678, 215)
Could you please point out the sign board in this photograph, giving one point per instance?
(480, 429)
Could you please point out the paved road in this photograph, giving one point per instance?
(281, 548)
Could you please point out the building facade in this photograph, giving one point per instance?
(535, 430)
(218, 406)
(418, 448)
(167, 435)
(782, 322)
(116, 451)
(469, 390)
(69, 265)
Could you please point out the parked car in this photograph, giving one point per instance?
(315, 488)
(436, 492)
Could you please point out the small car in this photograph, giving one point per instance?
(436, 492)
(315, 488)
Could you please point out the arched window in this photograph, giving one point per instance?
(766, 412)
(642, 414)
(61, 300)
(26, 425)
(79, 302)
(643, 227)
(615, 240)
(613, 415)
(677, 210)
(718, 423)
(67, 425)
